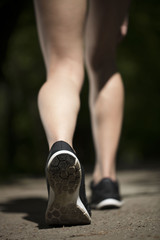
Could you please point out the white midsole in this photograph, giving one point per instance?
(81, 206)
(109, 202)
(61, 152)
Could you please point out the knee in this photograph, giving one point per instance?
(66, 69)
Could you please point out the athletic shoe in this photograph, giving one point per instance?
(67, 202)
(105, 194)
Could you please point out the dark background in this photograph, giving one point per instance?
(23, 146)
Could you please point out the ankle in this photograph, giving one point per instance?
(97, 177)
(51, 142)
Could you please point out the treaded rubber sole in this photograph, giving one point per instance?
(109, 203)
(64, 205)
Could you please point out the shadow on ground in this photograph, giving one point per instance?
(33, 207)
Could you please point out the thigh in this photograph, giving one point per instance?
(102, 34)
(60, 26)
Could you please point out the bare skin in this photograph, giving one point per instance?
(106, 98)
(62, 26)
(106, 115)
(61, 41)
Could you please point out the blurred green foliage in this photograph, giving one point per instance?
(23, 145)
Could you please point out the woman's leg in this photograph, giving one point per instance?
(103, 26)
(61, 31)
(60, 28)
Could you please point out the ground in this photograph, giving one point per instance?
(23, 203)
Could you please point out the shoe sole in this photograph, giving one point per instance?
(64, 205)
(109, 203)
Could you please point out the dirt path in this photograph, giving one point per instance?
(23, 203)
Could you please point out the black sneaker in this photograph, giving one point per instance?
(105, 194)
(67, 202)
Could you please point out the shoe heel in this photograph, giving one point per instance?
(64, 176)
